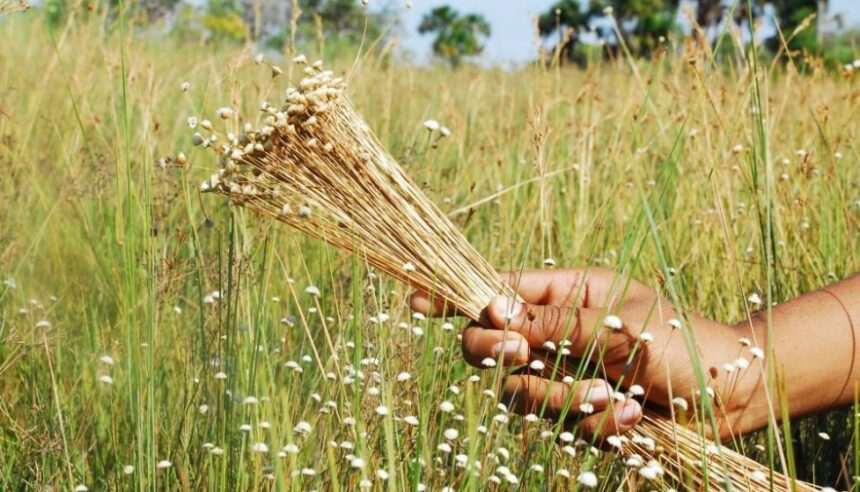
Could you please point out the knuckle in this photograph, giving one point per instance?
(471, 346)
(590, 426)
(515, 393)
(552, 321)
(618, 346)
(558, 396)
(513, 386)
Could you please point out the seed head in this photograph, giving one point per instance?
(648, 473)
(612, 322)
(302, 428)
(224, 113)
(680, 403)
(588, 479)
(432, 125)
(615, 441)
(758, 476)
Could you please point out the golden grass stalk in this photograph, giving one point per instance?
(317, 166)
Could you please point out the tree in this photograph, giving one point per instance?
(566, 18)
(457, 36)
(641, 23)
(796, 20)
(336, 25)
(223, 21)
(790, 15)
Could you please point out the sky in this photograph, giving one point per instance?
(512, 39)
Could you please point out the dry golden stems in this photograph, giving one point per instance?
(743, 473)
(316, 166)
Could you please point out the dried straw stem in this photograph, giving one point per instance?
(316, 166)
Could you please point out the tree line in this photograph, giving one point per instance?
(576, 31)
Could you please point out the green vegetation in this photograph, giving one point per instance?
(641, 26)
(155, 339)
(457, 35)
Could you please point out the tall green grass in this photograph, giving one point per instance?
(122, 257)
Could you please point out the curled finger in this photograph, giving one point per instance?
(555, 399)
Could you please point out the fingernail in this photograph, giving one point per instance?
(515, 351)
(598, 396)
(507, 307)
(630, 413)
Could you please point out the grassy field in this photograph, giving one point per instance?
(153, 338)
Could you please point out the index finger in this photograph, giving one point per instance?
(579, 287)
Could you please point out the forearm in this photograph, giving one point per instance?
(815, 344)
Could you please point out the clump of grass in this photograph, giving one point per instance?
(317, 166)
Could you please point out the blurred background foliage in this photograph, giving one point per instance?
(571, 30)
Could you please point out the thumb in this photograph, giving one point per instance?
(539, 324)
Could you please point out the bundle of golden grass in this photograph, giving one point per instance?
(316, 166)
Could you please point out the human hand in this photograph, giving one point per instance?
(632, 336)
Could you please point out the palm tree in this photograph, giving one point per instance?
(457, 36)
